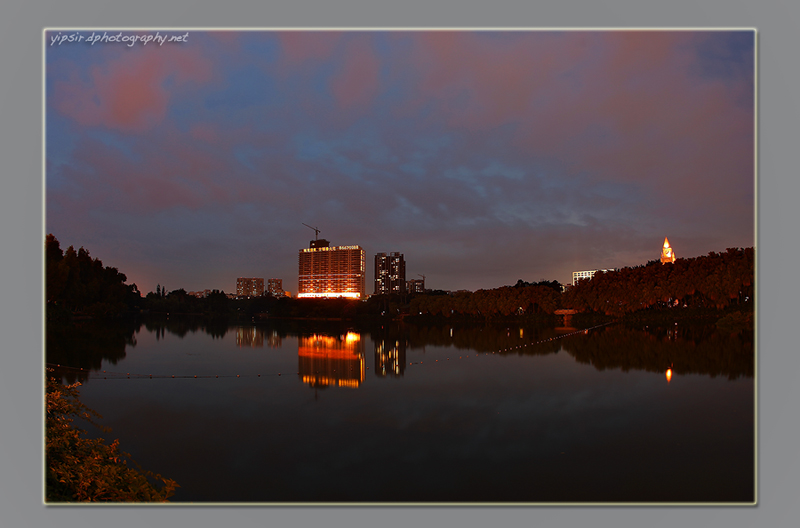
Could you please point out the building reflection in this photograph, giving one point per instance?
(337, 361)
(256, 337)
(249, 336)
(561, 330)
(274, 339)
(390, 357)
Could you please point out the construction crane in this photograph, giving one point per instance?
(316, 231)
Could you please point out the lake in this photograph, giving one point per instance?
(320, 412)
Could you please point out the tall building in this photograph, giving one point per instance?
(249, 287)
(275, 287)
(667, 255)
(390, 273)
(578, 275)
(326, 271)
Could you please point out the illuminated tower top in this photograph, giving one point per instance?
(667, 255)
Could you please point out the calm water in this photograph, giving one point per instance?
(326, 413)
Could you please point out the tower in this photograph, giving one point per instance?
(390, 273)
(667, 255)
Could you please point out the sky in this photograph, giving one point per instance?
(483, 156)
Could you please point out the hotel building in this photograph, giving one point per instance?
(326, 271)
(390, 273)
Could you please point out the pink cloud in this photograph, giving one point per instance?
(302, 46)
(204, 132)
(617, 106)
(129, 92)
(495, 80)
(167, 170)
(357, 83)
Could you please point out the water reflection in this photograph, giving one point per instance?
(684, 349)
(517, 340)
(333, 355)
(557, 419)
(84, 347)
(325, 361)
(249, 337)
(181, 326)
(390, 357)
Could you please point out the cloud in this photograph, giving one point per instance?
(522, 154)
(357, 82)
(300, 47)
(131, 92)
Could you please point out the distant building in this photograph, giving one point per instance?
(275, 287)
(326, 271)
(246, 287)
(667, 254)
(415, 286)
(579, 275)
(390, 273)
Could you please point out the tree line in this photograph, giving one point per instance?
(80, 285)
(77, 284)
(716, 281)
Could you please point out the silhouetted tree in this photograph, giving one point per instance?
(77, 284)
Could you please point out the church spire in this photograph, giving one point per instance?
(667, 255)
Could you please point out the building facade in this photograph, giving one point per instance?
(579, 275)
(390, 273)
(326, 271)
(249, 287)
(415, 286)
(275, 287)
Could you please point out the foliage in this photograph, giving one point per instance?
(736, 322)
(505, 301)
(81, 469)
(716, 281)
(77, 284)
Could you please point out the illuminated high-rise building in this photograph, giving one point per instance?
(326, 271)
(390, 273)
(667, 255)
(249, 287)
